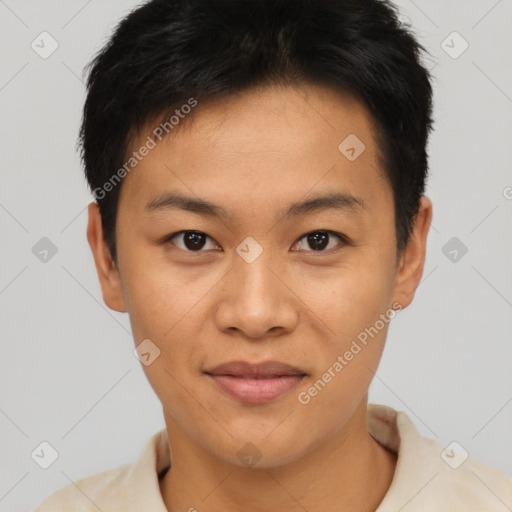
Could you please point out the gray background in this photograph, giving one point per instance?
(68, 374)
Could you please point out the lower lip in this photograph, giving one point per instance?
(256, 391)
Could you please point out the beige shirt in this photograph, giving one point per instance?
(427, 477)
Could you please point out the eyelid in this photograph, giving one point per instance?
(344, 239)
(168, 238)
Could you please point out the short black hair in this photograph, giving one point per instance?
(168, 53)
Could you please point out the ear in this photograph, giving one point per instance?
(413, 259)
(108, 274)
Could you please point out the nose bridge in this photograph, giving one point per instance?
(256, 282)
(255, 301)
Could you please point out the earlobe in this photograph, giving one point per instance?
(108, 274)
(413, 260)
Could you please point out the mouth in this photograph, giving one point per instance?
(256, 383)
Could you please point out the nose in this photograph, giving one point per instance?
(256, 300)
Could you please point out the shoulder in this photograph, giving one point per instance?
(461, 482)
(431, 477)
(91, 493)
(132, 486)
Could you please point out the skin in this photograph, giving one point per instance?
(254, 154)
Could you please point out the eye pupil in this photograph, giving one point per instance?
(318, 240)
(193, 240)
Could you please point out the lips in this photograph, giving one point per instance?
(261, 370)
(255, 383)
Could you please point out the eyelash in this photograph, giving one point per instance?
(344, 239)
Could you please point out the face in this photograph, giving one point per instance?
(270, 304)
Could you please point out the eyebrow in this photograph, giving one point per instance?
(336, 200)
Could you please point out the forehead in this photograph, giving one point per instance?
(252, 118)
(263, 146)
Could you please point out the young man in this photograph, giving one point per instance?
(259, 168)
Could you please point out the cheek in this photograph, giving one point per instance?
(350, 298)
(171, 307)
(347, 359)
(349, 303)
(162, 299)
(166, 309)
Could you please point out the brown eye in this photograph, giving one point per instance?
(191, 241)
(318, 241)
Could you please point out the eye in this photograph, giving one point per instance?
(320, 240)
(317, 241)
(190, 241)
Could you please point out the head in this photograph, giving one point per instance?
(287, 139)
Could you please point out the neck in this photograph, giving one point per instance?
(349, 471)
